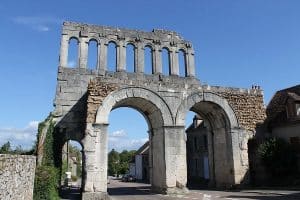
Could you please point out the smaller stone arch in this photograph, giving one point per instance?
(197, 97)
(93, 39)
(148, 44)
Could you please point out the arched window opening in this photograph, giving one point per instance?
(182, 63)
(148, 65)
(71, 169)
(166, 68)
(112, 56)
(128, 147)
(130, 58)
(73, 53)
(92, 54)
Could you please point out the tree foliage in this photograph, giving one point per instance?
(7, 149)
(118, 163)
(278, 157)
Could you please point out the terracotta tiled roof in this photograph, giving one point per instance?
(277, 105)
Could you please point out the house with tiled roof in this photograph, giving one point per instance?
(283, 116)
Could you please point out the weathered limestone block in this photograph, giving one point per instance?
(16, 176)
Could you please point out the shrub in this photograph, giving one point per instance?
(45, 183)
(278, 157)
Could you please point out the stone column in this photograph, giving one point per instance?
(190, 63)
(169, 156)
(139, 58)
(239, 155)
(121, 56)
(83, 52)
(156, 56)
(98, 57)
(95, 164)
(102, 57)
(210, 144)
(64, 48)
(150, 156)
(174, 61)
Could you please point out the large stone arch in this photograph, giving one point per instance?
(141, 99)
(158, 115)
(224, 136)
(197, 97)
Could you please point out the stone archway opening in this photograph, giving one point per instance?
(154, 120)
(128, 151)
(208, 146)
(71, 169)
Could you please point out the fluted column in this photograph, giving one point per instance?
(102, 55)
(83, 52)
(174, 61)
(190, 63)
(121, 56)
(156, 56)
(139, 58)
(64, 48)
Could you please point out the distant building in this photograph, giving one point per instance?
(283, 116)
(197, 153)
(139, 166)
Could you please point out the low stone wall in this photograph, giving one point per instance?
(16, 176)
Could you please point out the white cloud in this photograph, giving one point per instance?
(120, 141)
(41, 24)
(120, 133)
(20, 136)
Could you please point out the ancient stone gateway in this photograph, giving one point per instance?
(85, 98)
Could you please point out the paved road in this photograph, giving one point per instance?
(139, 191)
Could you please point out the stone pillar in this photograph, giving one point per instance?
(158, 179)
(150, 156)
(190, 63)
(156, 56)
(102, 57)
(174, 61)
(83, 52)
(169, 156)
(239, 155)
(95, 163)
(139, 58)
(223, 170)
(121, 56)
(98, 57)
(64, 49)
(210, 144)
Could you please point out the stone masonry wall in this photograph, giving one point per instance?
(16, 176)
(248, 107)
(96, 94)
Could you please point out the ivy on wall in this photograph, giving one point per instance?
(48, 173)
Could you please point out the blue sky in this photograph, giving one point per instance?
(237, 43)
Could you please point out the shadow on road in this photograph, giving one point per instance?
(265, 196)
(71, 193)
(129, 191)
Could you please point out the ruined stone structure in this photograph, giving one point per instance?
(16, 176)
(85, 98)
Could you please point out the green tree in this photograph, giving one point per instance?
(278, 157)
(6, 148)
(113, 162)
